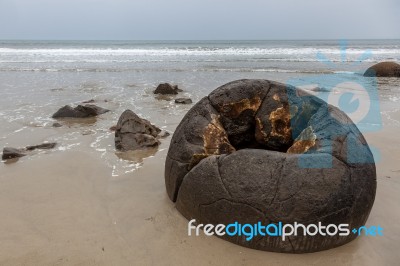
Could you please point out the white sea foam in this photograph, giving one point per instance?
(188, 51)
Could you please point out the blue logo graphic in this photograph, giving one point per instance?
(352, 93)
(279, 229)
(368, 231)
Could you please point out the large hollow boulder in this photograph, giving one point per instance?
(260, 151)
(133, 132)
(80, 111)
(383, 69)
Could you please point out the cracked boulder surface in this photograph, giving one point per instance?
(260, 151)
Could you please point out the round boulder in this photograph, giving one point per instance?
(383, 69)
(260, 151)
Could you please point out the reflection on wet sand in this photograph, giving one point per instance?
(78, 122)
(137, 156)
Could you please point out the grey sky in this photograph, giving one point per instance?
(199, 19)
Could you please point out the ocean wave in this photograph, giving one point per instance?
(210, 69)
(200, 51)
(255, 60)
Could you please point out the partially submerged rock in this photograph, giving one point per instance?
(183, 100)
(166, 88)
(43, 146)
(81, 111)
(133, 132)
(255, 151)
(89, 101)
(56, 125)
(10, 153)
(383, 69)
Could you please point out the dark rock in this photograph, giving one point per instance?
(89, 101)
(166, 88)
(320, 89)
(10, 153)
(183, 100)
(56, 125)
(383, 69)
(133, 132)
(81, 111)
(44, 146)
(255, 151)
(113, 128)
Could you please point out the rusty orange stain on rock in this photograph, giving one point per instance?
(304, 142)
(280, 124)
(234, 109)
(260, 134)
(215, 141)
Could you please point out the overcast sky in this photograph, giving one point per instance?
(199, 19)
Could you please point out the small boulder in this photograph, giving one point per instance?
(56, 125)
(81, 111)
(133, 132)
(10, 153)
(43, 146)
(183, 100)
(113, 128)
(166, 88)
(383, 69)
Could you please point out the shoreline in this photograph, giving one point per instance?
(66, 207)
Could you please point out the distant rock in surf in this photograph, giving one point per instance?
(133, 132)
(166, 88)
(81, 111)
(56, 125)
(183, 100)
(383, 69)
(89, 101)
(320, 89)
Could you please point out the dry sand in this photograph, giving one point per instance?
(66, 208)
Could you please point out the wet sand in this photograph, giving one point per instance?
(67, 208)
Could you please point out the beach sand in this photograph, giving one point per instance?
(67, 208)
